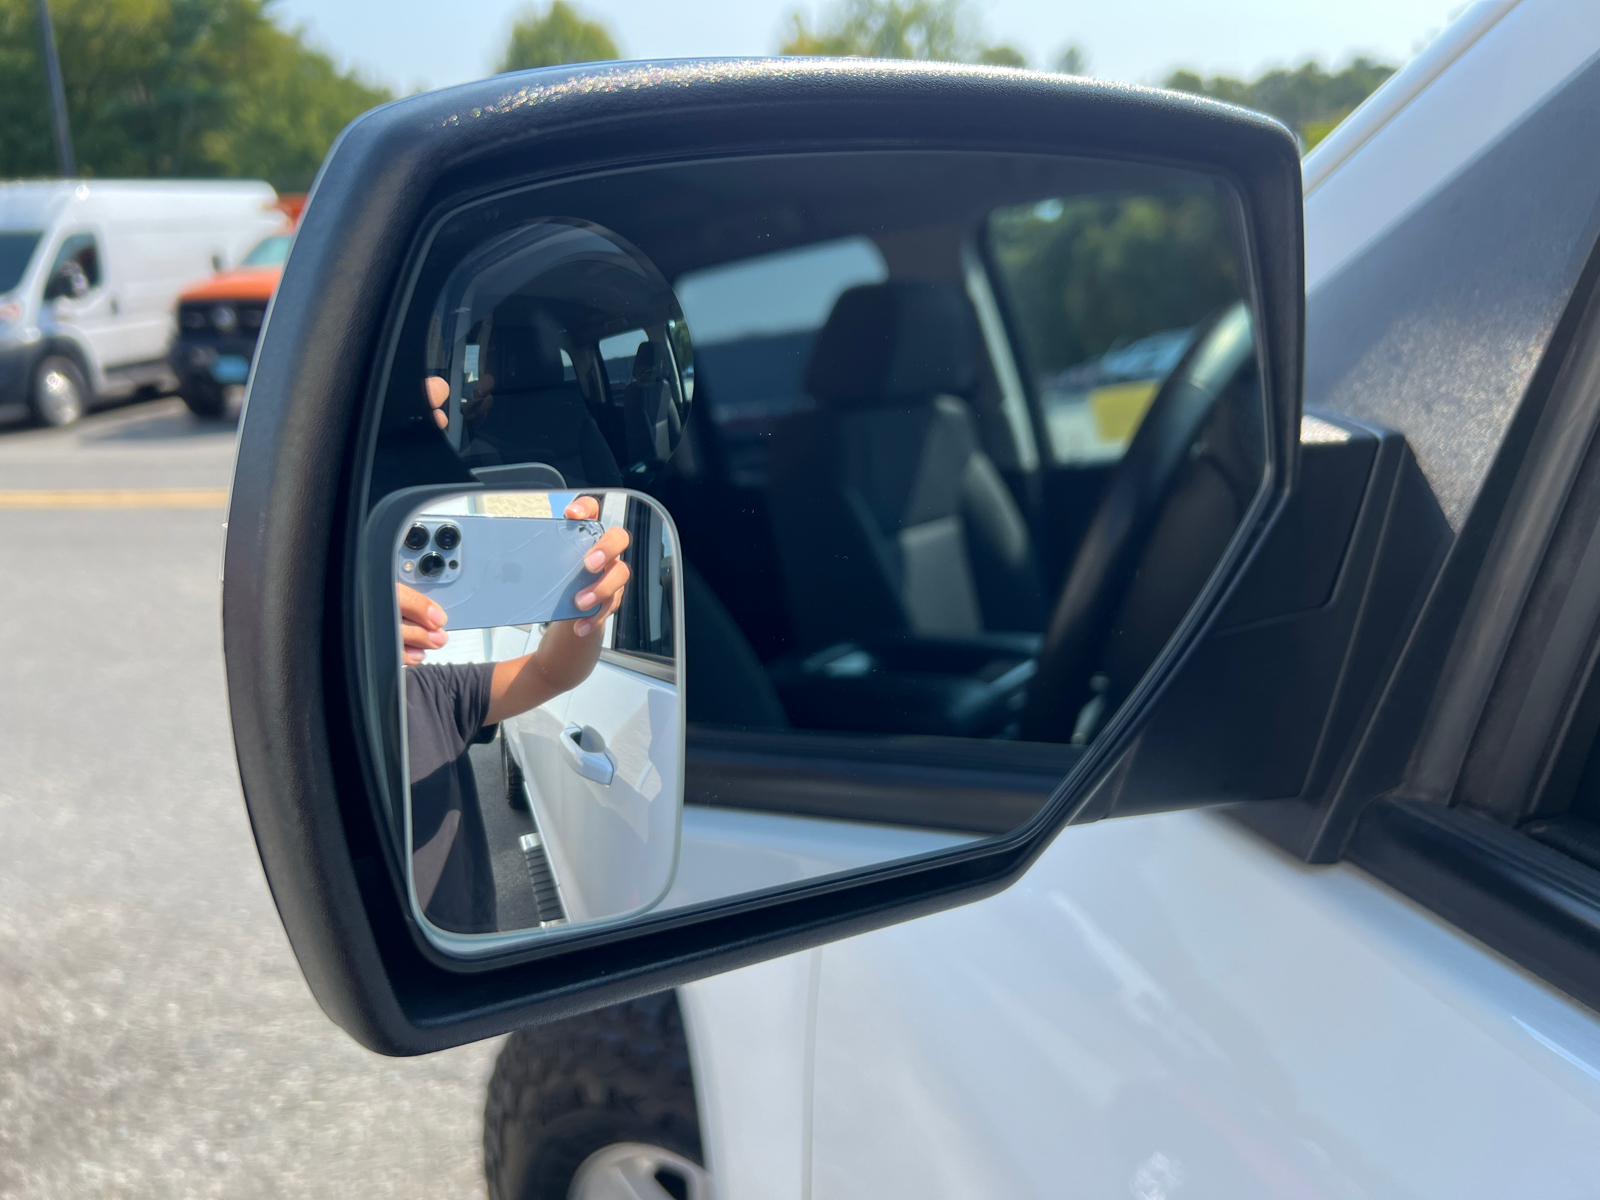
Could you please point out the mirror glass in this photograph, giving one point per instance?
(538, 639)
(958, 440)
(533, 323)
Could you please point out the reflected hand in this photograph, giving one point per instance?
(567, 654)
(437, 389)
(438, 393)
(421, 624)
(605, 561)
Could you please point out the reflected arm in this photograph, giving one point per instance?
(569, 650)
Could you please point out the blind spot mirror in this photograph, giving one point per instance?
(537, 737)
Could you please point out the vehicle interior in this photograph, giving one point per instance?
(900, 567)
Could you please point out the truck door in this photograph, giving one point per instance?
(91, 316)
(599, 763)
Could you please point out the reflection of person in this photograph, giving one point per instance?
(449, 707)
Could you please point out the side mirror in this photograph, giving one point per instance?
(951, 562)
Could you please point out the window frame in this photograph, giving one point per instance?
(1449, 773)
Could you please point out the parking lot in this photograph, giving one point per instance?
(158, 1038)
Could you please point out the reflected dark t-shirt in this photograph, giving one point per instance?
(446, 707)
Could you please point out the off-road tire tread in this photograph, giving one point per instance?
(623, 1069)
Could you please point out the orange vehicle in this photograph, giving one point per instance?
(219, 320)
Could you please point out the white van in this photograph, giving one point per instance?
(89, 273)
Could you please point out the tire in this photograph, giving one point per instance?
(604, 1096)
(57, 393)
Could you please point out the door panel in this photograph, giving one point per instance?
(599, 834)
(1166, 1007)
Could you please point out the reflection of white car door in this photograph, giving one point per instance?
(600, 764)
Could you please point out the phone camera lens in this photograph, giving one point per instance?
(416, 537)
(430, 566)
(447, 537)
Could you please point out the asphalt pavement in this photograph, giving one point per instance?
(156, 1036)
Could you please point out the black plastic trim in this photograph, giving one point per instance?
(1530, 903)
(973, 786)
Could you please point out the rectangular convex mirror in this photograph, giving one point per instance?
(540, 726)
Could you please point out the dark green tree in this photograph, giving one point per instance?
(1084, 274)
(196, 88)
(937, 30)
(1308, 99)
(556, 36)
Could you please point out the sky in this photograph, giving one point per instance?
(420, 44)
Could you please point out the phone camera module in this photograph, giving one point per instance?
(447, 537)
(430, 566)
(416, 537)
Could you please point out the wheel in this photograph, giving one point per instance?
(58, 395)
(596, 1106)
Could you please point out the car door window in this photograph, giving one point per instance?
(82, 250)
(1105, 293)
(644, 626)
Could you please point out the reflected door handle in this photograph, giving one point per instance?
(586, 753)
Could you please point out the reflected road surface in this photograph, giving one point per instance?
(156, 1037)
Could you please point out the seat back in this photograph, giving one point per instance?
(650, 415)
(883, 503)
(535, 415)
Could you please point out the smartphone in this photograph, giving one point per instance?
(489, 571)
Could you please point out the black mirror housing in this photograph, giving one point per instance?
(289, 590)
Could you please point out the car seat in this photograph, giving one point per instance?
(888, 516)
(651, 419)
(536, 415)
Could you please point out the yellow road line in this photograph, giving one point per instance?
(114, 498)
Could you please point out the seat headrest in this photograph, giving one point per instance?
(893, 342)
(650, 363)
(525, 357)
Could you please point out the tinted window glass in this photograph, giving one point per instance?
(1105, 293)
(16, 251)
(754, 322)
(81, 249)
(865, 549)
(645, 623)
